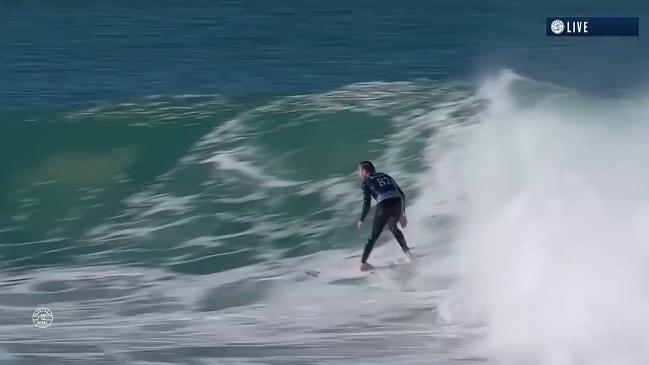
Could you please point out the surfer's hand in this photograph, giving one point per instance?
(359, 225)
(403, 221)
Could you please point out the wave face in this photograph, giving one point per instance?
(175, 229)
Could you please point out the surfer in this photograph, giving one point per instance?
(390, 208)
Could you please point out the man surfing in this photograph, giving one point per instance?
(390, 208)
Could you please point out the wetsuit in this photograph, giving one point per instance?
(391, 203)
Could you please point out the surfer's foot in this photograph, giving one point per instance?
(408, 254)
(366, 267)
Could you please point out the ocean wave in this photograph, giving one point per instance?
(525, 202)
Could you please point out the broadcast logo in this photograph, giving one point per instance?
(42, 317)
(557, 26)
(588, 26)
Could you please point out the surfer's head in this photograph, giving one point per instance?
(365, 169)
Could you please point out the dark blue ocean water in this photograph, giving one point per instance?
(56, 54)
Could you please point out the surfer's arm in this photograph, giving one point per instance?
(402, 220)
(403, 195)
(403, 199)
(367, 201)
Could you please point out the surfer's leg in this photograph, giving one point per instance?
(380, 218)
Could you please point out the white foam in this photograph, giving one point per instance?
(554, 246)
(232, 160)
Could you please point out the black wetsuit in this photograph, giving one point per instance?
(391, 203)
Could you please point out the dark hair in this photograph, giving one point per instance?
(368, 166)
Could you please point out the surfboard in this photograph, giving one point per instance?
(390, 273)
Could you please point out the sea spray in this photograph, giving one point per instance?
(553, 248)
